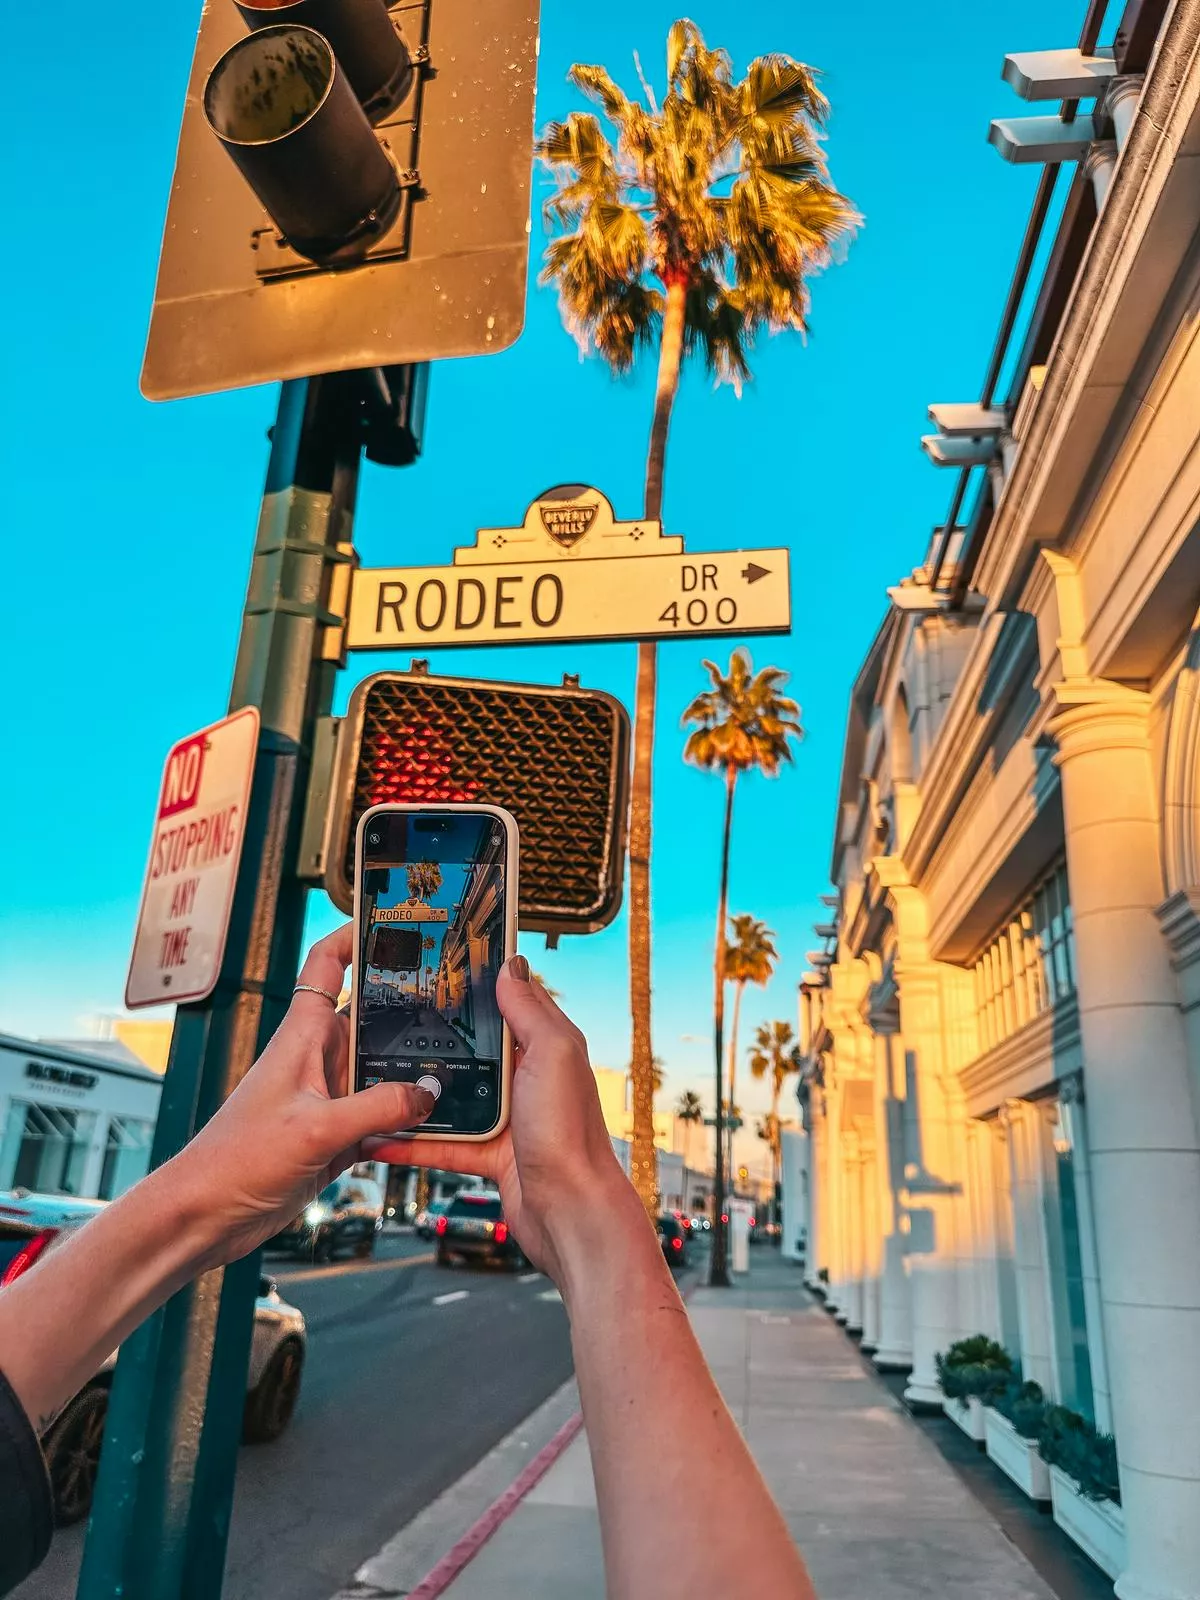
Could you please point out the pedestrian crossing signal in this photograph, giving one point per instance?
(556, 756)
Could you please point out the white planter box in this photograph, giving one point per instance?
(1097, 1526)
(1016, 1457)
(969, 1416)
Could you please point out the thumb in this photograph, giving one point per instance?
(382, 1109)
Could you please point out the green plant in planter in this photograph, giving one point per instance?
(1022, 1404)
(977, 1366)
(1071, 1443)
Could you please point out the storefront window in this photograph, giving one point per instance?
(45, 1148)
(1030, 964)
(126, 1155)
(1065, 1261)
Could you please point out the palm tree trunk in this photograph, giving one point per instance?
(643, 1160)
(719, 1270)
(733, 1038)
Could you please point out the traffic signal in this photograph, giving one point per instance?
(556, 757)
(351, 190)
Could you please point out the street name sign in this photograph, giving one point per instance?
(570, 571)
(412, 911)
(187, 894)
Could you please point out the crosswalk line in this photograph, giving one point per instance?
(529, 1277)
(550, 1294)
(455, 1294)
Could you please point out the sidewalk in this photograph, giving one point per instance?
(876, 1510)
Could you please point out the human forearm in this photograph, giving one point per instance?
(61, 1320)
(661, 1436)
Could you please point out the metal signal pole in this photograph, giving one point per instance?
(160, 1518)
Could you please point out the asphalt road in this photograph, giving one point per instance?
(404, 1390)
(421, 1032)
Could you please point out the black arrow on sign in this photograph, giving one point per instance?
(753, 573)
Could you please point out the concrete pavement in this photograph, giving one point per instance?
(874, 1507)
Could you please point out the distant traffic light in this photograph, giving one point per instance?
(556, 757)
(351, 190)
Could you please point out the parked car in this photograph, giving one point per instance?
(472, 1228)
(426, 1220)
(673, 1237)
(30, 1224)
(346, 1215)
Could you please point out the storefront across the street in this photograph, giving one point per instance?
(71, 1122)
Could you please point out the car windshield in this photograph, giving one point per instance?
(486, 1206)
(668, 1225)
(330, 1192)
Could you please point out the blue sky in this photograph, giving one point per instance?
(131, 523)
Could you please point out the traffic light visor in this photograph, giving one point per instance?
(287, 116)
(360, 33)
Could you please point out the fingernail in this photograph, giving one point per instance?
(423, 1101)
(518, 968)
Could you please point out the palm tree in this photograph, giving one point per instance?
(553, 993)
(692, 232)
(776, 1053)
(750, 957)
(689, 1108)
(741, 723)
(424, 879)
(428, 943)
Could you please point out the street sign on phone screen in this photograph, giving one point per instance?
(187, 895)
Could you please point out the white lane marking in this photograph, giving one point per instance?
(529, 1277)
(550, 1294)
(455, 1294)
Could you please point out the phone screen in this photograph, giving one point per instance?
(432, 936)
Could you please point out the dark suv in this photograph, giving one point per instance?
(346, 1215)
(472, 1227)
(673, 1237)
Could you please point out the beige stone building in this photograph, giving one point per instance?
(1003, 1034)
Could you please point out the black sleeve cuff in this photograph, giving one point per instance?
(26, 1507)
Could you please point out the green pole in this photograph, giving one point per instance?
(160, 1519)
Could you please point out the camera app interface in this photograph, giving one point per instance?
(432, 947)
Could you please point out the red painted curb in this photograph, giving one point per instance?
(468, 1547)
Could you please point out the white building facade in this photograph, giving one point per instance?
(1003, 1034)
(72, 1122)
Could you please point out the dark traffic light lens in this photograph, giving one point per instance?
(287, 116)
(368, 49)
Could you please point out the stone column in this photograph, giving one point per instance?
(851, 1303)
(1144, 1146)
(834, 1184)
(931, 1182)
(818, 1205)
(1100, 163)
(1121, 103)
(872, 1249)
(894, 1349)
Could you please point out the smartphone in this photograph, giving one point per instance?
(435, 918)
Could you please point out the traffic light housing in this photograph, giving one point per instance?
(351, 191)
(556, 757)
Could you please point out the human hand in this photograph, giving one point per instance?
(290, 1126)
(554, 1163)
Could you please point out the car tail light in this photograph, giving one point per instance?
(26, 1256)
(676, 1244)
(751, 1220)
(724, 1216)
(442, 1224)
(501, 1232)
